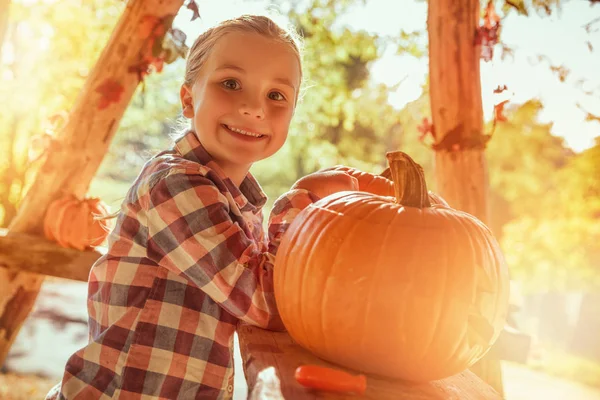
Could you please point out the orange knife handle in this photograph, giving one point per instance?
(329, 379)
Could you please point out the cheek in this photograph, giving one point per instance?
(214, 103)
(282, 116)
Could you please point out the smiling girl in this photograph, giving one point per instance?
(188, 258)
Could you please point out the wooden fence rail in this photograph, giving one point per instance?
(23, 252)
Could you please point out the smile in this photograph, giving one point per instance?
(244, 132)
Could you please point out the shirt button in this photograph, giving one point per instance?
(230, 388)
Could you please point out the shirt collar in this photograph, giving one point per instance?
(191, 149)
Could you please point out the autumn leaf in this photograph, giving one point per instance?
(488, 33)
(110, 92)
(588, 115)
(192, 5)
(518, 5)
(490, 18)
(499, 112)
(500, 89)
(425, 128)
(561, 71)
(141, 69)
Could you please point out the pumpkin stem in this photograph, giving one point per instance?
(409, 180)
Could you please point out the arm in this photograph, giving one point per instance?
(284, 211)
(191, 234)
(305, 191)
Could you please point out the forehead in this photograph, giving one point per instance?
(256, 54)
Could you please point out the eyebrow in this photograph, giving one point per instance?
(283, 81)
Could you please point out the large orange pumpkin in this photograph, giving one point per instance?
(392, 286)
(76, 223)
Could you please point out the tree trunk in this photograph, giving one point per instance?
(78, 151)
(457, 114)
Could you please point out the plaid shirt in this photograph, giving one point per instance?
(186, 261)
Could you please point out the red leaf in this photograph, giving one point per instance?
(490, 18)
(192, 5)
(425, 128)
(499, 112)
(110, 92)
(487, 34)
(500, 89)
(141, 69)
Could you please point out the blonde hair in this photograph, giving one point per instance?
(262, 25)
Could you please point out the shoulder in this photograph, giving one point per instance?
(167, 176)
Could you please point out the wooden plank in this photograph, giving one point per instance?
(271, 358)
(32, 253)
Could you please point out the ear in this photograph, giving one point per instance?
(187, 101)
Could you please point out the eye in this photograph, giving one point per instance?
(231, 84)
(277, 96)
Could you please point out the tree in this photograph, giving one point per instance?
(523, 157)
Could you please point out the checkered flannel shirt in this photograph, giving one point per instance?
(186, 261)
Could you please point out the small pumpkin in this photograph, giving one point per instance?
(76, 223)
(397, 287)
(380, 184)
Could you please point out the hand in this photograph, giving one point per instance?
(324, 183)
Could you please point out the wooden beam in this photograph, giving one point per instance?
(31, 253)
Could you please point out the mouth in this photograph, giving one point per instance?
(244, 132)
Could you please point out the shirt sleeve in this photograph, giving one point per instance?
(191, 233)
(284, 211)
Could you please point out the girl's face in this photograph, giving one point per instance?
(242, 103)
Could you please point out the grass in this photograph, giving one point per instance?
(24, 387)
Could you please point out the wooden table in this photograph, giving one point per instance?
(270, 359)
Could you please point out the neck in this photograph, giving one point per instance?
(236, 173)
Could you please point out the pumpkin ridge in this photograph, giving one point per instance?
(301, 247)
(438, 307)
(307, 271)
(444, 311)
(326, 294)
(374, 282)
(289, 239)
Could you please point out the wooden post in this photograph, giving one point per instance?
(457, 114)
(79, 149)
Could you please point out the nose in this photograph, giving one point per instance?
(252, 109)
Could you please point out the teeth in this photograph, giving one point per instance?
(243, 132)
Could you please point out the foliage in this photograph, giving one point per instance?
(545, 202)
(34, 87)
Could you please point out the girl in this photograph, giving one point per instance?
(188, 258)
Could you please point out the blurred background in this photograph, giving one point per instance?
(366, 93)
